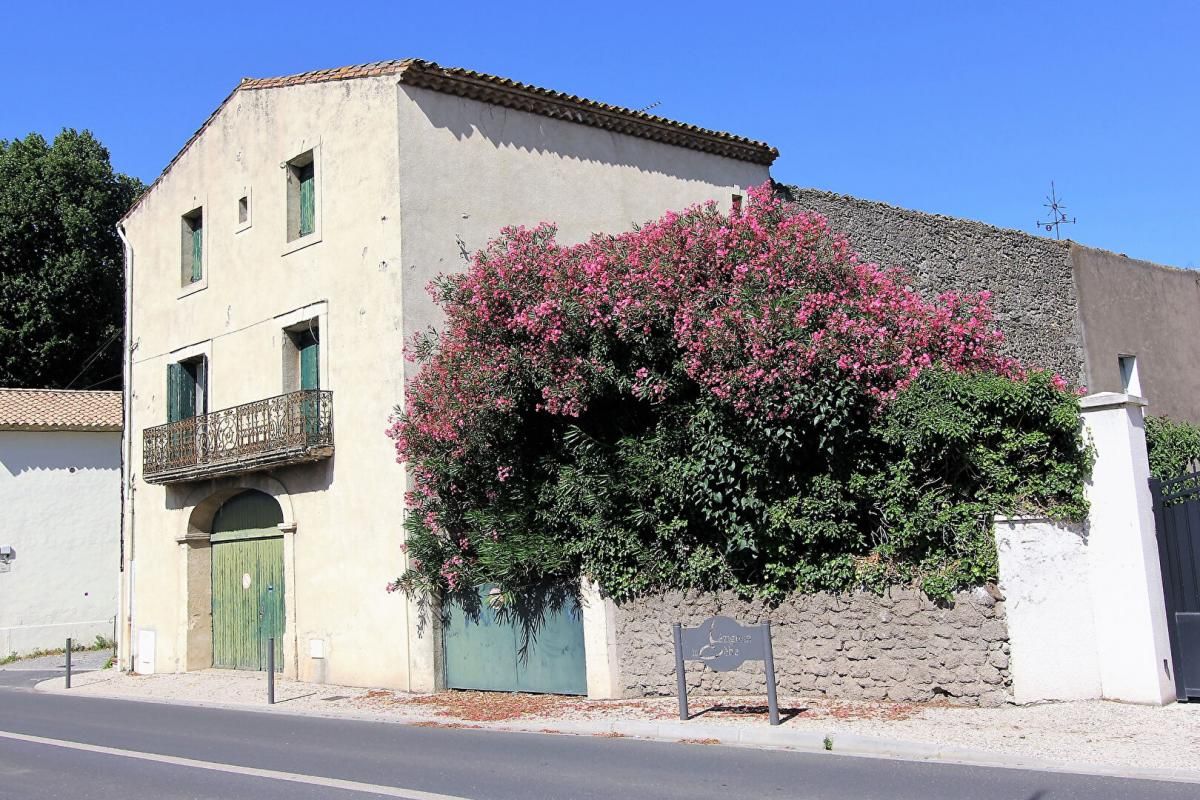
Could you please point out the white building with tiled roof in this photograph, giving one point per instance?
(275, 270)
(60, 492)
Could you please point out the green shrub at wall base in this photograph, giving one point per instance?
(1172, 446)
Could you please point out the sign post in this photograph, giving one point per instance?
(723, 645)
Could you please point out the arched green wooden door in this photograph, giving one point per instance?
(247, 582)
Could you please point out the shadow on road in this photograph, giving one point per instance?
(749, 710)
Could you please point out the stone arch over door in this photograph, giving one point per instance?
(196, 564)
(207, 500)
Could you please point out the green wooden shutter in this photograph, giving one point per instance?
(187, 394)
(310, 378)
(174, 392)
(310, 371)
(307, 200)
(197, 250)
(182, 381)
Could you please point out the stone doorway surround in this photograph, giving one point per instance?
(195, 566)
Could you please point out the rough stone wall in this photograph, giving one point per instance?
(1035, 297)
(899, 646)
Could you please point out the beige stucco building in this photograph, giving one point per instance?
(274, 271)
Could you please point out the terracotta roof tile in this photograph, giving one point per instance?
(516, 95)
(59, 410)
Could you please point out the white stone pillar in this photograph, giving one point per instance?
(599, 643)
(1132, 647)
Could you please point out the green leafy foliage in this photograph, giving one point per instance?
(695, 497)
(1172, 445)
(61, 284)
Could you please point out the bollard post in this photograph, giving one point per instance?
(271, 671)
(769, 668)
(68, 663)
(680, 676)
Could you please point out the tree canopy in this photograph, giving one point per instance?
(61, 276)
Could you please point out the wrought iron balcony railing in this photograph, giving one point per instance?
(287, 429)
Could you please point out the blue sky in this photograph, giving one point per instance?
(961, 108)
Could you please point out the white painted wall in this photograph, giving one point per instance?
(60, 510)
(1085, 610)
(1048, 606)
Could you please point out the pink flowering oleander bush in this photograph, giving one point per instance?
(718, 401)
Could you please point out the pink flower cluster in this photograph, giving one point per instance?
(750, 305)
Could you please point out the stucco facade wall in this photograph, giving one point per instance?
(348, 508)
(470, 168)
(1132, 307)
(1030, 277)
(899, 646)
(60, 492)
(403, 176)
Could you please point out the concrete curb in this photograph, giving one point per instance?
(840, 744)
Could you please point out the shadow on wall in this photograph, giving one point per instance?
(293, 480)
(23, 451)
(503, 127)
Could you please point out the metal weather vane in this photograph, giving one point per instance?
(1058, 213)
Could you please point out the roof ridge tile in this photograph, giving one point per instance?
(508, 93)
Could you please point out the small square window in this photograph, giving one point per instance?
(191, 247)
(245, 210)
(1130, 384)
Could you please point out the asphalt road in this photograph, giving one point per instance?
(55, 746)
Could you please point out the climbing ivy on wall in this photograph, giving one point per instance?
(718, 401)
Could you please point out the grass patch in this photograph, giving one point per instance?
(101, 643)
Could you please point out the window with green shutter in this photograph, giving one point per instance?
(306, 340)
(197, 252)
(192, 247)
(301, 196)
(187, 388)
(307, 199)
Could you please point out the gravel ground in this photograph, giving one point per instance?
(1098, 733)
(81, 660)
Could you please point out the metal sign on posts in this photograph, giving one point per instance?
(723, 645)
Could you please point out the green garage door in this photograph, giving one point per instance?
(490, 650)
(247, 582)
